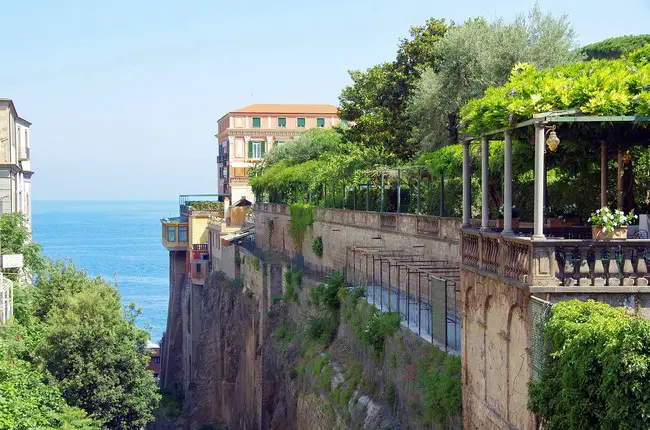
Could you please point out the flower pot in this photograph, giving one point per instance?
(619, 233)
(515, 223)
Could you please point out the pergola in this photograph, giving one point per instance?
(541, 123)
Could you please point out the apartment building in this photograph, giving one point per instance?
(15, 168)
(245, 135)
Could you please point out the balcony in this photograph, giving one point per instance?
(559, 265)
(174, 233)
(207, 203)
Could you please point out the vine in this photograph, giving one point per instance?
(597, 374)
(302, 216)
(317, 246)
(271, 227)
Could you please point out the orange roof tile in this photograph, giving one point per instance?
(288, 109)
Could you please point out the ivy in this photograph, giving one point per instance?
(302, 217)
(317, 246)
(271, 226)
(597, 374)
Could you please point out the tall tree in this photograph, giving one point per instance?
(377, 99)
(481, 54)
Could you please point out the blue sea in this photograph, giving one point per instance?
(113, 239)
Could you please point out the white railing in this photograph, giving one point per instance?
(6, 299)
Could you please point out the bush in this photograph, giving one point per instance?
(378, 328)
(302, 216)
(249, 293)
(317, 246)
(322, 329)
(325, 296)
(439, 378)
(597, 374)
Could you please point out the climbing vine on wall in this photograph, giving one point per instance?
(271, 227)
(597, 374)
(302, 216)
(317, 246)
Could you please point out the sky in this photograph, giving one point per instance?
(124, 96)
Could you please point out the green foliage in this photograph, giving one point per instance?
(317, 246)
(322, 329)
(97, 354)
(597, 374)
(309, 145)
(302, 217)
(615, 47)
(597, 87)
(609, 220)
(378, 327)
(438, 376)
(296, 277)
(271, 226)
(478, 55)
(325, 295)
(255, 263)
(171, 406)
(27, 402)
(205, 206)
(248, 293)
(292, 282)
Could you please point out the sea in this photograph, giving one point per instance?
(118, 240)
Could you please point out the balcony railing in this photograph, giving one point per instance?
(200, 247)
(558, 262)
(200, 202)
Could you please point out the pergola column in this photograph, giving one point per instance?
(485, 202)
(507, 184)
(538, 214)
(466, 186)
(603, 173)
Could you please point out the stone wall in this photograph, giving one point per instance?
(496, 354)
(432, 237)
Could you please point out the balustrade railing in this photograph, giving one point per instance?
(560, 262)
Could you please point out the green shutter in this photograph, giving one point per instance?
(262, 148)
(250, 149)
(320, 122)
(301, 122)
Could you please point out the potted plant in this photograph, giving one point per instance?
(515, 218)
(608, 224)
(563, 217)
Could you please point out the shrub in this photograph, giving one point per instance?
(325, 296)
(317, 246)
(296, 278)
(249, 293)
(322, 329)
(439, 378)
(597, 374)
(378, 328)
(302, 216)
(255, 263)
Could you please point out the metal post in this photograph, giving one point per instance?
(485, 201)
(399, 191)
(355, 197)
(419, 306)
(419, 189)
(343, 197)
(382, 192)
(408, 297)
(466, 186)
(381, 281)
(507, 184)
(399, 287)
(538, 219)
(442, 194)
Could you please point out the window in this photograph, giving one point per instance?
(156, 360)
(282, 122)
(182, 233)
(239, 148)
(155, 375)
(320, 122)
(280, 142)
(344, 122)
(257, 122)
(18, 137)
(171, 234)
(300, 122)
(198, 268)
(255, 149)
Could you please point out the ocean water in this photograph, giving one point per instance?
(113, 239)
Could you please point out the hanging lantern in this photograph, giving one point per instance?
(553, 141)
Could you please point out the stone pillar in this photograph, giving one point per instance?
(603, 173)
(485, 202)
(467, 186)
(507, 184)
(538, 218)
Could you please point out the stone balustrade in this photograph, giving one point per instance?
(557, 262)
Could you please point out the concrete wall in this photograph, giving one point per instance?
(432, 237)
(496, 355)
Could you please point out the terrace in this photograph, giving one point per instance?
(201, 203)
(546, 258)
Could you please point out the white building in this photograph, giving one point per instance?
(15, 168)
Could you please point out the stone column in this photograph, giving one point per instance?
(538, 217)
(467, 186)
(507, 184)
(485, 202)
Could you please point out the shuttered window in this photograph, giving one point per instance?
(320, 122)
(282, 122)
(257, 122)
(300, 122)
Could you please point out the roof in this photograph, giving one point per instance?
(12, 106)
(242, 202)
(288, 109)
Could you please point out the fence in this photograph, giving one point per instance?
(540, 311)
(6, 299)
(424, 292)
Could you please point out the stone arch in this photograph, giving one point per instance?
(519, 370)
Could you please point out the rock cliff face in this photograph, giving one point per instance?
(237, 355)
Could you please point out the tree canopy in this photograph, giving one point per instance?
(615, 47)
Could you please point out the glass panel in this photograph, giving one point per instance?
(182, 234)
(171, 234)
(257, 122)
(301, 122)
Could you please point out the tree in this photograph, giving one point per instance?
(98, 356)
(615, 47)
(15, 239)
(309, 145)
(478, 55)
(377, 99)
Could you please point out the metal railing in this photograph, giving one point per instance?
(6, 299)
(185, 201)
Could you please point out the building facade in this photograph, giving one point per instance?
(15, 166)
(245, 135)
